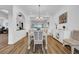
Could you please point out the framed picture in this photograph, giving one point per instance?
(63, 18)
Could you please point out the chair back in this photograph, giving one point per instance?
(38, 37)
(35, 35)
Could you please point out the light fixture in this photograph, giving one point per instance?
(39, 11)
(39, 17)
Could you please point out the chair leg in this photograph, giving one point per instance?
(34, 48)
(29, 42)
(28, 47)
(63, 45)
(42, 47)
(46, 46)
(72, 50)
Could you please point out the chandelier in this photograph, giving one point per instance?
(39, 16)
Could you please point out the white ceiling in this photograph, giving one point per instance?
(3, 14)
(6, 7)
(44, 9)
(4, 10)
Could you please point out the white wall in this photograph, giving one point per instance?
(1, 23)
(5, 23)
(3, 14)
(15, 35)
(3, 19)
(72, 21)
(11, 26)
(27, 23)
(51, 25)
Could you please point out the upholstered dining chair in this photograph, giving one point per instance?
(38, 38)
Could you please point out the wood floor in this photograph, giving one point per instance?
(3, 40)
(54, 47)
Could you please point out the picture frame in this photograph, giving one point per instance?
(63, 18)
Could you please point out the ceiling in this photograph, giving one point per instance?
(45, 10)
(7, 7)
(3, 14)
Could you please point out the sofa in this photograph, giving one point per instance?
(73, 41)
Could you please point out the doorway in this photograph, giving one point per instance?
(3, 30)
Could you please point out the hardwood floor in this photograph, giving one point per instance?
(3, 40)
(54, 47)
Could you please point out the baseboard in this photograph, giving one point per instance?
(57, 40)
(21, 41)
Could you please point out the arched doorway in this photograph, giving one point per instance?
(3, 29)
(20, 21)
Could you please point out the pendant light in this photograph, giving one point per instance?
(38, 17)
(39, 12)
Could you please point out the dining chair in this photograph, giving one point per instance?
(38, 38)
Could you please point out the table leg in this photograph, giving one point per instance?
(72, 50)
(46, 42)
(28, 41)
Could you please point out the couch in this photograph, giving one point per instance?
(73, 41)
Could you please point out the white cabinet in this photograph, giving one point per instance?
(66, 34)
(62, 34)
